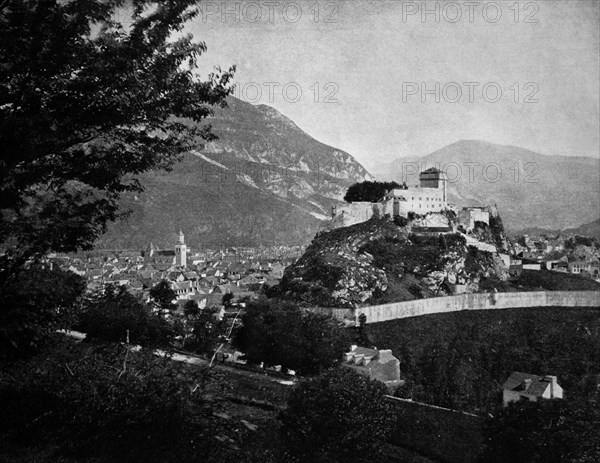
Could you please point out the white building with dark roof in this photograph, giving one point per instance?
(531, 387)
(380, 365)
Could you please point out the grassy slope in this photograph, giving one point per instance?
(460, 360)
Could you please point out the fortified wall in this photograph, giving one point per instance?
(475, 301)
(353, 213)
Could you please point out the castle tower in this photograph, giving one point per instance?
(434, 178)
(181, 251)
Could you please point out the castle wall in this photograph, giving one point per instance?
(357, 212)
(474, 301)
(420, 200)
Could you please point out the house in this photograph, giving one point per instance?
(379, 365)
(531, 387)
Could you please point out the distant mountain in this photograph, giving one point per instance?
(590, 230)
(530, 189)
(264, 181)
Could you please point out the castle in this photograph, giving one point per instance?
(430, 196)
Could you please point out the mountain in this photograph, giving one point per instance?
(530, 189)
(590, 230)
(264, 181)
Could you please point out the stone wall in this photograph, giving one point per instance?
(475, 301)
(353, 213)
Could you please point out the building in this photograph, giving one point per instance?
(429, 196)
(181, 251)
(169, 257)
(531, 387)
(379, 365)
(467, 217)
(578, 266)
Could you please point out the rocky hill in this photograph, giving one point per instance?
(264, 181)
(530, 189)
(380, 261)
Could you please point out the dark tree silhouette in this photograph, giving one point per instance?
(86, 105)
(368, 191)
(339, 416)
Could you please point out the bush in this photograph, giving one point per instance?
(107, 404)
(547, 431)
(115, 314)
(34, 305)
(368, 191)
(339, 416)
(280, 333)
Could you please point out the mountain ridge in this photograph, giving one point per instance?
(263, 181)
(533, 189)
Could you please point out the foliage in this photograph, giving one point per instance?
(497, 231)
(191, 309)
(537, 280)
(547, 431)
(368, 191)
(280, 333)
(114, 315)
(163, 295)
(339, 416)
(34, 306)
(460, 360)
(86, 105)
(107, 404)
(226, 299)
(207, 332)
(401, 221)
(577, 240)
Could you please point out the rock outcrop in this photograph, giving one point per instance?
(378, 261)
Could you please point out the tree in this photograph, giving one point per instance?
(549, 431)
(280, 333)
(226, 299)
(339, 416)
(34, 306)
(191, 309)
(116, 316)
(86, 105)
(163, 295)
(208, 331)
(105, 403)
(368, 191)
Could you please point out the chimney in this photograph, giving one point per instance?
(526, 383)
(553, 383)
(353, 347)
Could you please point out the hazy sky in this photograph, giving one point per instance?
(370, 59)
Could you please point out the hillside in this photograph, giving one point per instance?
(264, 181)
(589, 230)
(460, 360)
(379, 261)
(531, 189)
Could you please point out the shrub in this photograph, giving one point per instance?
(368, 191)
(339, 416)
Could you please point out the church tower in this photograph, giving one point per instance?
(181, 251)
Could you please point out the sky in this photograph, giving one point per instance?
(389, 79)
